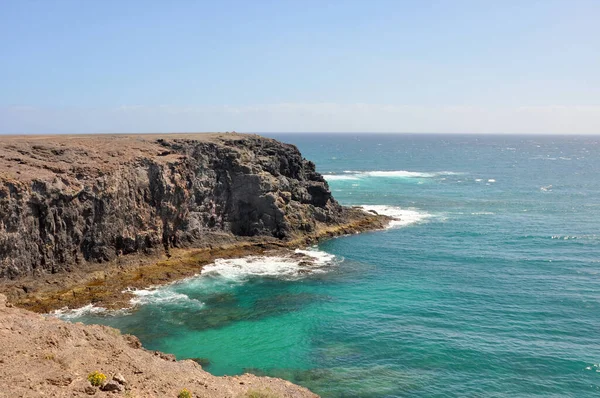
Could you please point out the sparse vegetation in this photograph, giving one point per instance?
(96, 378)
(185, 393)
(260, 394)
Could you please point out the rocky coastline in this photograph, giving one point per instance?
(84, 219)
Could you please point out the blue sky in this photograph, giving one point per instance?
(399, 66)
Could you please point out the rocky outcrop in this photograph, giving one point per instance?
(46, 357)
(70, 201)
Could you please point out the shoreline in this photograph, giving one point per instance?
(46, 356)
(86, 220)
(105, 285)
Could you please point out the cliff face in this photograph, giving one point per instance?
(68, 201)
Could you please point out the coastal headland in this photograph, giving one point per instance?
(85, 219)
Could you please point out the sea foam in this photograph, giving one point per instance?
(286, 266)
(357, 175)
(289, 265)
(163, 295)
(155, 294)
(73, 313)
(340, 177)
(400, 217)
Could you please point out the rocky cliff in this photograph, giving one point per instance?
(70, 201)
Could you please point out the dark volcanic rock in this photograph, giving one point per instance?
(68, 201)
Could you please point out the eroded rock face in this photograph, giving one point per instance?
(68, 201)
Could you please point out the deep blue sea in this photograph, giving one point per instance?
(486, 285)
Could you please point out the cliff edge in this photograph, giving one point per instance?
(65, 201)
(83, 217)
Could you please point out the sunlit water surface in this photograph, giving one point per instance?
(487, 285)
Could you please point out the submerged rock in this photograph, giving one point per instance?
(204, 362)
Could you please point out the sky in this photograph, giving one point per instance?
(479, 66)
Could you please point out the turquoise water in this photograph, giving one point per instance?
(488, 285)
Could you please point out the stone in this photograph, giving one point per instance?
(166, 357)
(60, 381)
(120, 379)
(132, 341)
(112, 386)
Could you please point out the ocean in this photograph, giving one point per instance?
(486, 285)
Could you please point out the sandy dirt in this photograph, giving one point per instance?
(43, 157)
(46, 357)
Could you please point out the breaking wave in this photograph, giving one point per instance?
(285, 265)
(400, 217)
(68, 313)
(163, 295)
(577, 237)
(290, 265)
(357, 175)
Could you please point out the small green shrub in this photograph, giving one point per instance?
(96, 378)
(185, 393)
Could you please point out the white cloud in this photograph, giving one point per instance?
(309, 117)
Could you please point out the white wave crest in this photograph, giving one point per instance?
(338, 177)
(400, 217)
(72, 313)
(399, 174)
(287, 266)
(162, 295)
(356, 175)
(319, 257)
(577, 237)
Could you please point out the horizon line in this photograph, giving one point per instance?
(310, 133)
